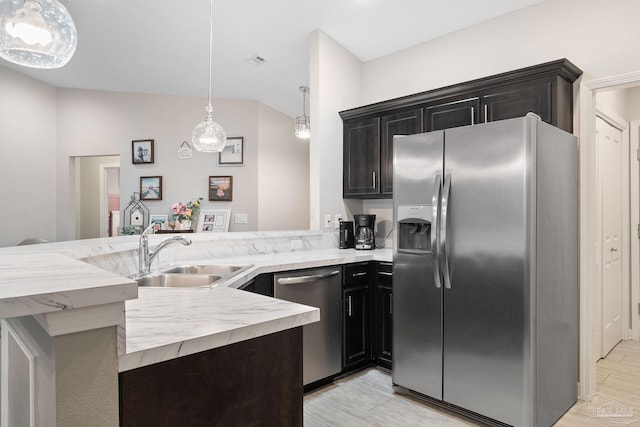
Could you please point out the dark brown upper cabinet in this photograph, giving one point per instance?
(545, 89)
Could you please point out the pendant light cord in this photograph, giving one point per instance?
(210, 46)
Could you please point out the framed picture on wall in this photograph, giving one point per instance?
(220, 188)
(213, 220)
(150, 188)
(233, 152)
(142, 151)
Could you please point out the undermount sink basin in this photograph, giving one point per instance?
(168, 280)
(189, 276)
(205, 269)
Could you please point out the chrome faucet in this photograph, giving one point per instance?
(145, 256)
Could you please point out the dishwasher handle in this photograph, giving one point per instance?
(306, 279)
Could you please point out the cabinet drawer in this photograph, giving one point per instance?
(357, 274)
(384, 274)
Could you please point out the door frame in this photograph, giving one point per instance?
(589, 220)
(622, 125)
(104, 196)
(634, 191)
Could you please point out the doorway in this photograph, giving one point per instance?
(611, 156)
(591, 226)
(97, 189)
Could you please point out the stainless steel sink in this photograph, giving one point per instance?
(188, 276)
(205, 269)
(168, 280)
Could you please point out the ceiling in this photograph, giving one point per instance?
(161, 46)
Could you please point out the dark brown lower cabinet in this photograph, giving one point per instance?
(356, 321)
(257, 382)
(383, 314)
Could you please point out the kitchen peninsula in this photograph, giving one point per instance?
(89, 323)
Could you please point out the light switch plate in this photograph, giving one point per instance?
(240, 218)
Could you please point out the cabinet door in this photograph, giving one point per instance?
(361, 172)
(357, 329)
(405, 123)
(516, 100)
(383, 314)
(357, 315)
(452, 114)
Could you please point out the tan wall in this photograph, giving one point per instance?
(87, 379)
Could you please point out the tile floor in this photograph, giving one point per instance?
(367, 399)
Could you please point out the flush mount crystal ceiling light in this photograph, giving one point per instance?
(37, 34)
(303, 129)
(209, 136)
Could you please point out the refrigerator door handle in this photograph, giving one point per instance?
(443, 231)
(435, 229)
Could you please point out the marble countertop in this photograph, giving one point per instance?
(163, 324)
(35, 284)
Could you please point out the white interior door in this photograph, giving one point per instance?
(609, 140)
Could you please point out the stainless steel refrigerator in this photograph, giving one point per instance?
(485, 273)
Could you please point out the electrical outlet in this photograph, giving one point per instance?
(296, 244)
(336, 221)
(327, 221)
(240, 218)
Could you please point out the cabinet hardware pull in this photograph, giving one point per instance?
(373, 176)
(359, 274)
(485, 113)
(472, 119)
(390, 303)
(385, 273)
(349, 304)
(306, 279)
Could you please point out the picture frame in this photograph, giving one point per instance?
(233, 152)
(158, 219)
(221, 188)
(213, 220)
(150, 188)
(142, 151)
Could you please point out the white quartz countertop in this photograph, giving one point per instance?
(163, 324)
(34, 284)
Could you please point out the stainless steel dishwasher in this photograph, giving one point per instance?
(322, 341)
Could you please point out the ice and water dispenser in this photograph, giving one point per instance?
(414, 228)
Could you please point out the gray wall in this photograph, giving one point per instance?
(43, 128)
(27, 163)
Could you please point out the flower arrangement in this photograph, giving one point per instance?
(185, 211)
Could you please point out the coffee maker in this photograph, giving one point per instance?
(365, 238)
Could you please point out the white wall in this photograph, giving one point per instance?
(283, 174)
(633, 103)
(612, 101)
(598, 36)
(335, 85)
(27, 163)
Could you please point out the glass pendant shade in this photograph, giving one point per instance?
(303, 124)
(208, 136)
(303, 127)
(37, 34)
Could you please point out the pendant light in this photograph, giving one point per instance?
(209, 136)
(303, 128)
(39, 34)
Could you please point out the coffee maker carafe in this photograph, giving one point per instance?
(365, 238)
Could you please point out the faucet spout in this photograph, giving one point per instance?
(146, 256)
